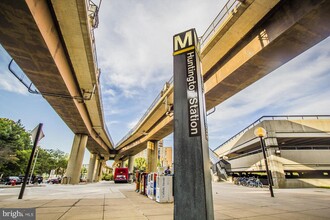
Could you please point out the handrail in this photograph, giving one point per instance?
(35, 91)
(274, 117)
(223, 14)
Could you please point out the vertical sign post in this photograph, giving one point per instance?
(192, 177)
(37, 134)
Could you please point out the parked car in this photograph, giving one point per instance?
(83, 180)
(121, 175)
(37, 179)
(40, 179)
(10, 178)
(54, 180)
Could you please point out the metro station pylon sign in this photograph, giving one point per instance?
(192, 178)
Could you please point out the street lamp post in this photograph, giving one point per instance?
(261, 132)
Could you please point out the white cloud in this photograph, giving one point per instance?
(11, 84)
(109, 92)
(131, 124)
(136, 49)
(111, 111)
(8, 82)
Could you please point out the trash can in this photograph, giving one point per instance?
(137, 181)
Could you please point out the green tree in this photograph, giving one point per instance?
(49, 159)
(83, 172)
(15, 147)
(44, 163)
(140, 163)
(15, 152)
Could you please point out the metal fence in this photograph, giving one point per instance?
(225, 12)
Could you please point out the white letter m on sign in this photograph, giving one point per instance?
(183, 44)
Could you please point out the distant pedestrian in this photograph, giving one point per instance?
(167, 171)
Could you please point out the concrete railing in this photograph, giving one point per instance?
(272, 118)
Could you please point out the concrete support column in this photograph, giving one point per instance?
(131, 168)
(76, 159)
(91, 168)
(152, 156)
(100, 174)
(122, 163)
(131, 164)
(96, 169)
(275, 163)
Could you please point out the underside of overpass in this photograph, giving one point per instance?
(53, 44)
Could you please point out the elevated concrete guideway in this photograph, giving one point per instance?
(52, 42)
(255, 38)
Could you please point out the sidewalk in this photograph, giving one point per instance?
(106, 200)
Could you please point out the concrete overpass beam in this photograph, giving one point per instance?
(152, 156)
(91, 167)
(76, 158)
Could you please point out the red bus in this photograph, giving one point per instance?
(121, 175)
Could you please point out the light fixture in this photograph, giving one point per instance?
(261, 132)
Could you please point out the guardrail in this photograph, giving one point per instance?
(227, 10)
(276, 117)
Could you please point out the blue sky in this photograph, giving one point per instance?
(134, 46)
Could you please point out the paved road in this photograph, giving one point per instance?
(106, 200)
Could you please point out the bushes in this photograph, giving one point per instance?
(107, 177)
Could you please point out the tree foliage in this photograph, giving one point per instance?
(140, 163)
(49, 159)
(16, 148)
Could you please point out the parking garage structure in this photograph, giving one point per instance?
(298, 151)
